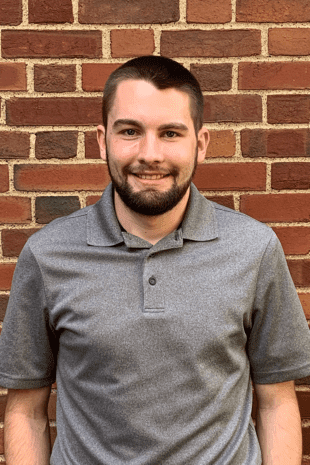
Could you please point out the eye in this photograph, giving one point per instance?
(170, 134)
(129, 132)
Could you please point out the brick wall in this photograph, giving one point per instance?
(252, 60)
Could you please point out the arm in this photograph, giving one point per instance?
(26, 427)
(278, 424)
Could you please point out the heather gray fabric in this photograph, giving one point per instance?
(154, 344)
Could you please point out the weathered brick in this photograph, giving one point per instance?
(54, 78)
(15, 210)
(137, 12)
(273, 11)
(288, 108)
(91, 145)
(289, 41)
(50, 208)
(279, 75)
(95, 75)
(4, 178)
(233, 108)
(13, 240)
(11, 12)
(225, 200)
(51, 44)
(54, 111)
(222, 144)
(61, 177)
(6, 275)
(215, 43)
(213, 11)
(3, 304)
(14, 144)
(231, 176)
(294, 239)
(13, 76)
(305, 302)
(213, 77)
(56, 144)
(290, 175)
(132, 42)
(50, 11)
(300, 272)
(275, 143)
(91, 199)
(277, 207)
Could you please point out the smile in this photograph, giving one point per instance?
(151, 176)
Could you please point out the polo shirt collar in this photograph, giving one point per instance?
(103, 229)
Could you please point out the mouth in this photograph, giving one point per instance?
(152, 177)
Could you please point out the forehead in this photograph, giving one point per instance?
(141, 100)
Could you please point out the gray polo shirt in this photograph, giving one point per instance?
(154, 346)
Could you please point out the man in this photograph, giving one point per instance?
(154, 308)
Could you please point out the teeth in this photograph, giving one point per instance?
(149, 176)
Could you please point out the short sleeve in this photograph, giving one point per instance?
(28, 346)
(279, 340)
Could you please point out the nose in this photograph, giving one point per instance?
(150, 150)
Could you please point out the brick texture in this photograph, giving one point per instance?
(222, 144)
(288, 108)
(275, 11)
(50, 208)
(225, 200)
(290, 176)
(15, 210)
(217, 77)
(232, 108)
(294, 239)
(54, 111)
(51, 44)
(91, 145)
(305, 302)
(14, 144)
(13, 76)
(300, 272)
(3, 305)
(280, 75)
(50, 11)
(10, 12)
(214, 11)
(138, 12)
(4, 178)
(6, 275)
(95, 75)
(57, 144)
(216, 43)
(288, 41)
(13, 240)
(277, 207)
(54, 78)
(132, 42)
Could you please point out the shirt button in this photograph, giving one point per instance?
(152, 281)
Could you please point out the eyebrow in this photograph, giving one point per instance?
(132, 122)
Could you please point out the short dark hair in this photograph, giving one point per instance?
(163, 73)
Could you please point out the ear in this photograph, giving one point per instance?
(101, 141)
(203, 139)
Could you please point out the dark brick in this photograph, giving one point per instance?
(217, 77)
(290, 175)
(288, 108)
(49, 208)
(62, 144)
(3, 304)
(13, 240)
(50, 11)
(225, 200)
(14, 144)
(11, 12)
(300, 272)
(54, 78)
(279, 75)
(91, 145)
(233, 108)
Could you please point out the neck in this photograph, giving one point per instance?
(150, 228)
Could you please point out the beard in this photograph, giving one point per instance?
(150, 202)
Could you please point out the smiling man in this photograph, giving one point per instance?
(155, 309)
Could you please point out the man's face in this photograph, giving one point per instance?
(150, 146)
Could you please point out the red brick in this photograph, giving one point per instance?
(11, 12)
(279, 75)
(288, 41)
(50, 208)
(275, 143)
(288, 108)
(232, 108)
(3, 304)
(91, 145)
(95, 75)
(14, 144)
(277, 207)
(290, 176)
(222, 144)
(305, 302)
(13, 76)
(137, 12)
(273, 11)
(4, 178)
(91, 199)
(1, 441)
(306, 440)
(54, 111)
(231, 176)
(215, 43)
(214, 11)
(15, 210)
(50, 11)
(132, 42)
(300, 272)
(304, 403)
(294, 239)
(53, 434)
(54, 78)
(52, 406)
(2, 406)
(13, 240)
(225, 200)
(89, 177)
(213, 78)
(56, 144)
(51, 44)
(6, 275)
